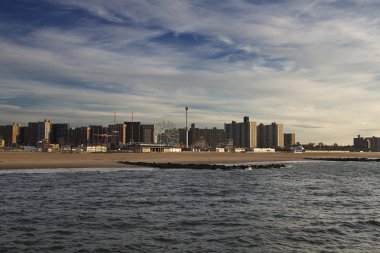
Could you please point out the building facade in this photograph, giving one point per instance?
(98, 135)
(60, 134)
(270, 136)
(243, 134)
(10, 134)
(24, 135)
(117, 134)
(44, 130)
(374, 144)
(80, 136)
(202, 137)
(147, 133)
(32, 133)
(289, 139)
(367, 144)
(133, 132)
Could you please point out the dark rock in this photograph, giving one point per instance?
(204, 166)
(346, 159)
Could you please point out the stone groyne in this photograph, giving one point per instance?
(205, 166)
(346, 159)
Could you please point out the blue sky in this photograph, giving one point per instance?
(311, 65)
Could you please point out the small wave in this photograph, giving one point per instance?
(335, 231)
(191, 222)
(26, 242)
(371, 223)
(241, 241)
(164, 239)
(305, 239)
(24, 229)
(56, 248)
(63, 232)
(361, 223)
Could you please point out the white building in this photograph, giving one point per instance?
(96, 149)
(263, 150)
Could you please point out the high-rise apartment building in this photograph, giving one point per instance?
(367, 144)
(133, 132)
(147, 133)
(270, 136)
(44, 130)
(212, 137)
(117, 134)
(263, 137)
(36, 132)
(60, 134)
(362, 144)
(10, 134)
(289, 139)
(98, 135)
(2, 132)
(33, 133)
(243, 134)
(80, 136)
(24, 135)
(374, 144)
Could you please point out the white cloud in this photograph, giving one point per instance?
(297, 63)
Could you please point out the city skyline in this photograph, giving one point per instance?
(311, 65)
(42, 134)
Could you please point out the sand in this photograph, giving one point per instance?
(31, 160)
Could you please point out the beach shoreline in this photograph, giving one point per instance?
(34, 160)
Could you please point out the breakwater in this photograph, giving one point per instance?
(346, 159)
(205, 166)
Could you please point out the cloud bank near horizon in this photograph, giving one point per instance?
(311, 65)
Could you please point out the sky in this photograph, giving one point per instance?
(313, 66)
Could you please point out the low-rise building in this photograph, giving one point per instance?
(220, 150)
(263, 150)
(96, 149)
(151, 147)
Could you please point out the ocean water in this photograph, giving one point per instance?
(306, 207)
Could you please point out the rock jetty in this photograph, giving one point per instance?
(346, 159)
(205, 166)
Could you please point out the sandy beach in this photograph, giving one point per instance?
(31, 160)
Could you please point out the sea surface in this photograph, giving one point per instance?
(306, 207)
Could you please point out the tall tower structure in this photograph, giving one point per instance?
(187, 130)
(44, 130)
(278, 135)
